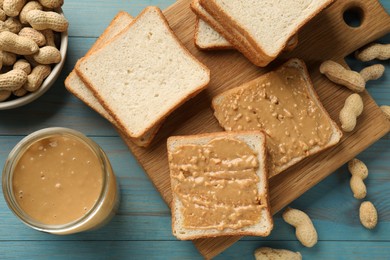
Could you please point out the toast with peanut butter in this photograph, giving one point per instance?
(219, 185)
(283, 104)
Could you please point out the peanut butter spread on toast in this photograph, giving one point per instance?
(217, 184)
(279, 104)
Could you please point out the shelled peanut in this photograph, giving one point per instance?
(27, 44)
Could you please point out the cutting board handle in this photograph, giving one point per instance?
(338, 39)
(371, 13)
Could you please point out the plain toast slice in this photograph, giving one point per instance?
(143, 74)
(207, 38)
(263, 28)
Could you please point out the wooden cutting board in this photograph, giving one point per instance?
(327, 36)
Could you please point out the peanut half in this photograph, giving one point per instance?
(304, 228)
(368, 215)
(34, 35)
(374, 51)
(24, 65)
(8, 58)
(386, 111)
(271, 253)
(49, 36)
(373, 72)
(14, 43)
(47, 55)
(3, 16)
(41, 20)
(4, 95)
(13, 25)
(353, 108)
(359, 172)
(12, 80)
(52, 3)
(20, 92)
(32, 5)
(36, 77)
(342, 76)
(12, 8)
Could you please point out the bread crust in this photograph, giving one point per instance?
(291, 44)
(237, 30)
(100, 42)
(265, 194)
(246, 50)
(337, 133)
(175, 106)
(243, 44)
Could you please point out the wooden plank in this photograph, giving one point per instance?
(89, 18)
(143, 216)
(182, 250)
(324, 250)
(323, 202)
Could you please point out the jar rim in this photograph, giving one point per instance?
(13, 159)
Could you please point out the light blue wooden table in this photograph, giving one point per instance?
(142, 228)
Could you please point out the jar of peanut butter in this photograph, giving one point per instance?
(59, 181)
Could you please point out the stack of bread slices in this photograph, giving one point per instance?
(260, 30)
(136, 74)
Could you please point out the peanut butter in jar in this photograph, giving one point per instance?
(59, 181)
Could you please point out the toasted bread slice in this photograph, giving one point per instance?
(252, 140)
(283, 121)
(143, 74)
(263, 28)
(76, 86)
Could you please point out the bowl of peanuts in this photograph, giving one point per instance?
(33, 46)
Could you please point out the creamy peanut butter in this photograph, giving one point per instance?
(57, 180)
(217, 184)
(279, 104)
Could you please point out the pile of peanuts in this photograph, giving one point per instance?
(27, 44)
(356, 81)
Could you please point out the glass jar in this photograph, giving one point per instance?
(103, 200)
